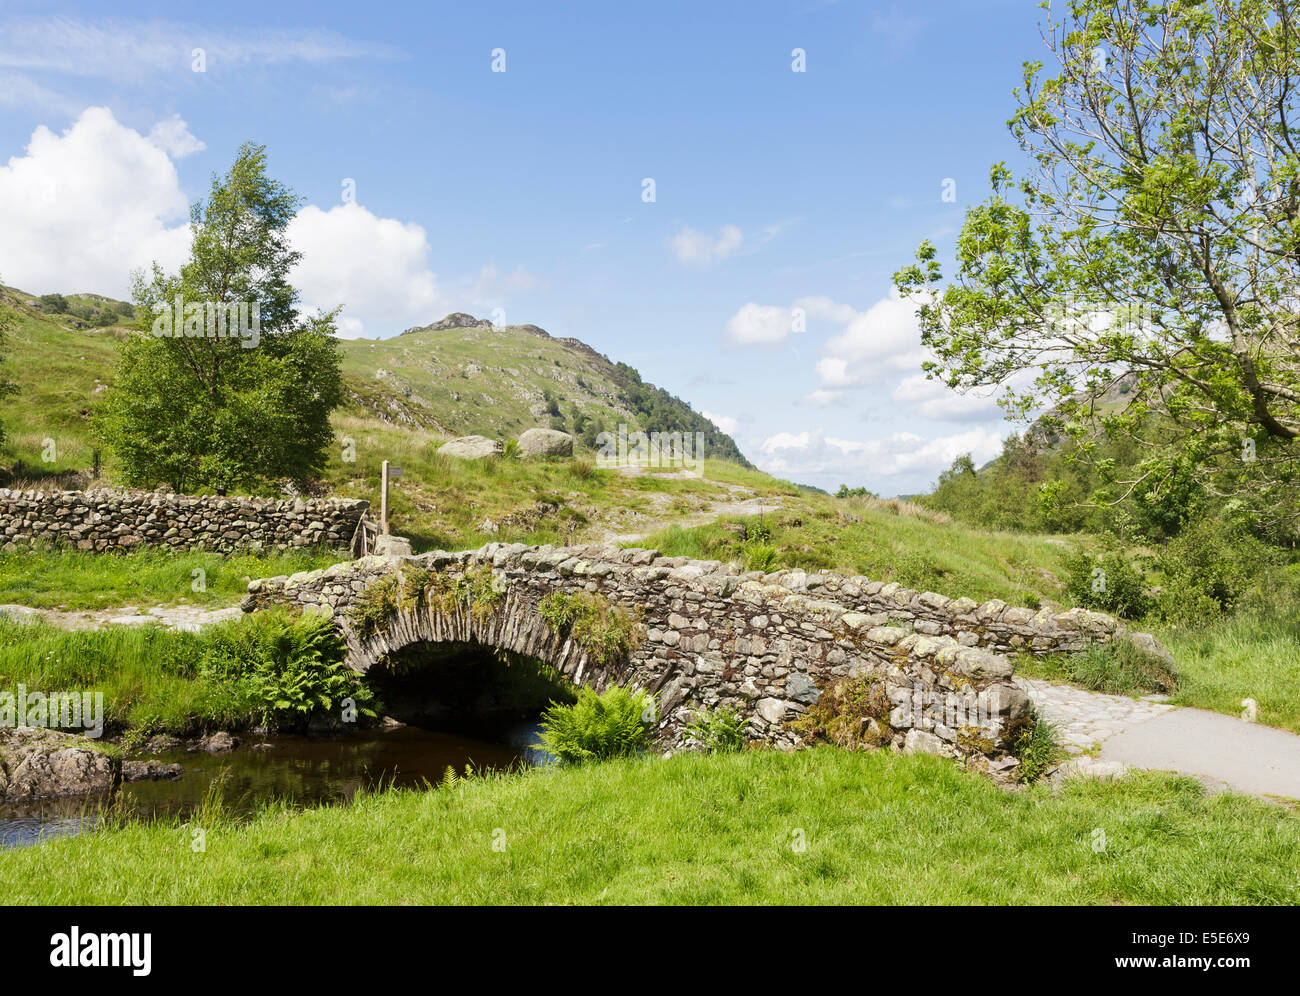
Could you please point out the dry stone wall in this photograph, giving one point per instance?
(113, 520)
(765, 644)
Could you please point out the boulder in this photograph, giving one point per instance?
(470, 447)
(545, 442)
(38, 762)
(388, 545)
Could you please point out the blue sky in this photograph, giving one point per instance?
(522, 190)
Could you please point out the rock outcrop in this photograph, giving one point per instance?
(35, 763)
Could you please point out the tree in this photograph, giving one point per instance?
(1154, 242)
(195, 409)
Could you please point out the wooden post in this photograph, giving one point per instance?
(383, 498)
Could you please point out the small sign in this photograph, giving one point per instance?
(394, 472)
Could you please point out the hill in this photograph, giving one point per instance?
(453, 377)
(462, 375)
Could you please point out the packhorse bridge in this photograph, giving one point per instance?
(709, 634)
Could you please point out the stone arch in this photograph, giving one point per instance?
(514, 626)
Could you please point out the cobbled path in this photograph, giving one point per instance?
(1089, 718)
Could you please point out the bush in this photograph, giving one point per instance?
(618, 723)
(1120, 668)
(721, 731)
(1037, 745)
(1109, 583)
(1208, 569)
(285, 668)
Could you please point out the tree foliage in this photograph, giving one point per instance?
(200, 411)
(1153, 244)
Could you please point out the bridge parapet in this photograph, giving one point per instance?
(713, 634)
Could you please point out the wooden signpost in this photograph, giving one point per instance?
(387, 473)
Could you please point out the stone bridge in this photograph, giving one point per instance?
(713, 635)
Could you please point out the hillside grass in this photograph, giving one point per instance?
(80, 580)
(690, 830)
(922, 552)
(442, 502)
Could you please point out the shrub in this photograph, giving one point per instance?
(853, 713)
(1037, 745)
(761, 557)
(284, 667)
(618, 723)
(1120, 668)
(1110, 583)
(603, 630)
(1207, 569)
(720, 731)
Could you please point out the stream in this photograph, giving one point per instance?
(304, 771)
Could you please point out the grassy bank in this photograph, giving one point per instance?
(885, 541)
(1251, 655)
(70, 579)
(272, 669)
(704, 829)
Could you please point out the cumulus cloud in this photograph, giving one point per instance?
(84, 208)
(885, 336)
(814, 453)
(759, 324)
(690, 246)
(935, 400)
(376, 267)
(726, 423)
(173, 137)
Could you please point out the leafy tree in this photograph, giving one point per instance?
(206, 411)
(1154, 244)
(55, 304)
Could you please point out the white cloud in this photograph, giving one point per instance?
(84, 208)
(813, 453)
(726, 423)
(376, 267)
(759, 324)
(935, 400)
(885, 336)
(119, 49)
(174, 138)
(822, 398)
(690, 246)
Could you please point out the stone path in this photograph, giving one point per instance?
(1088, 719)
(189, 618)
(1222, 751)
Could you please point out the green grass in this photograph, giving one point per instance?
(153, 680)
(139, 670)
(68, 579)
(921, 551)
(720, 829)
(1253, 655)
